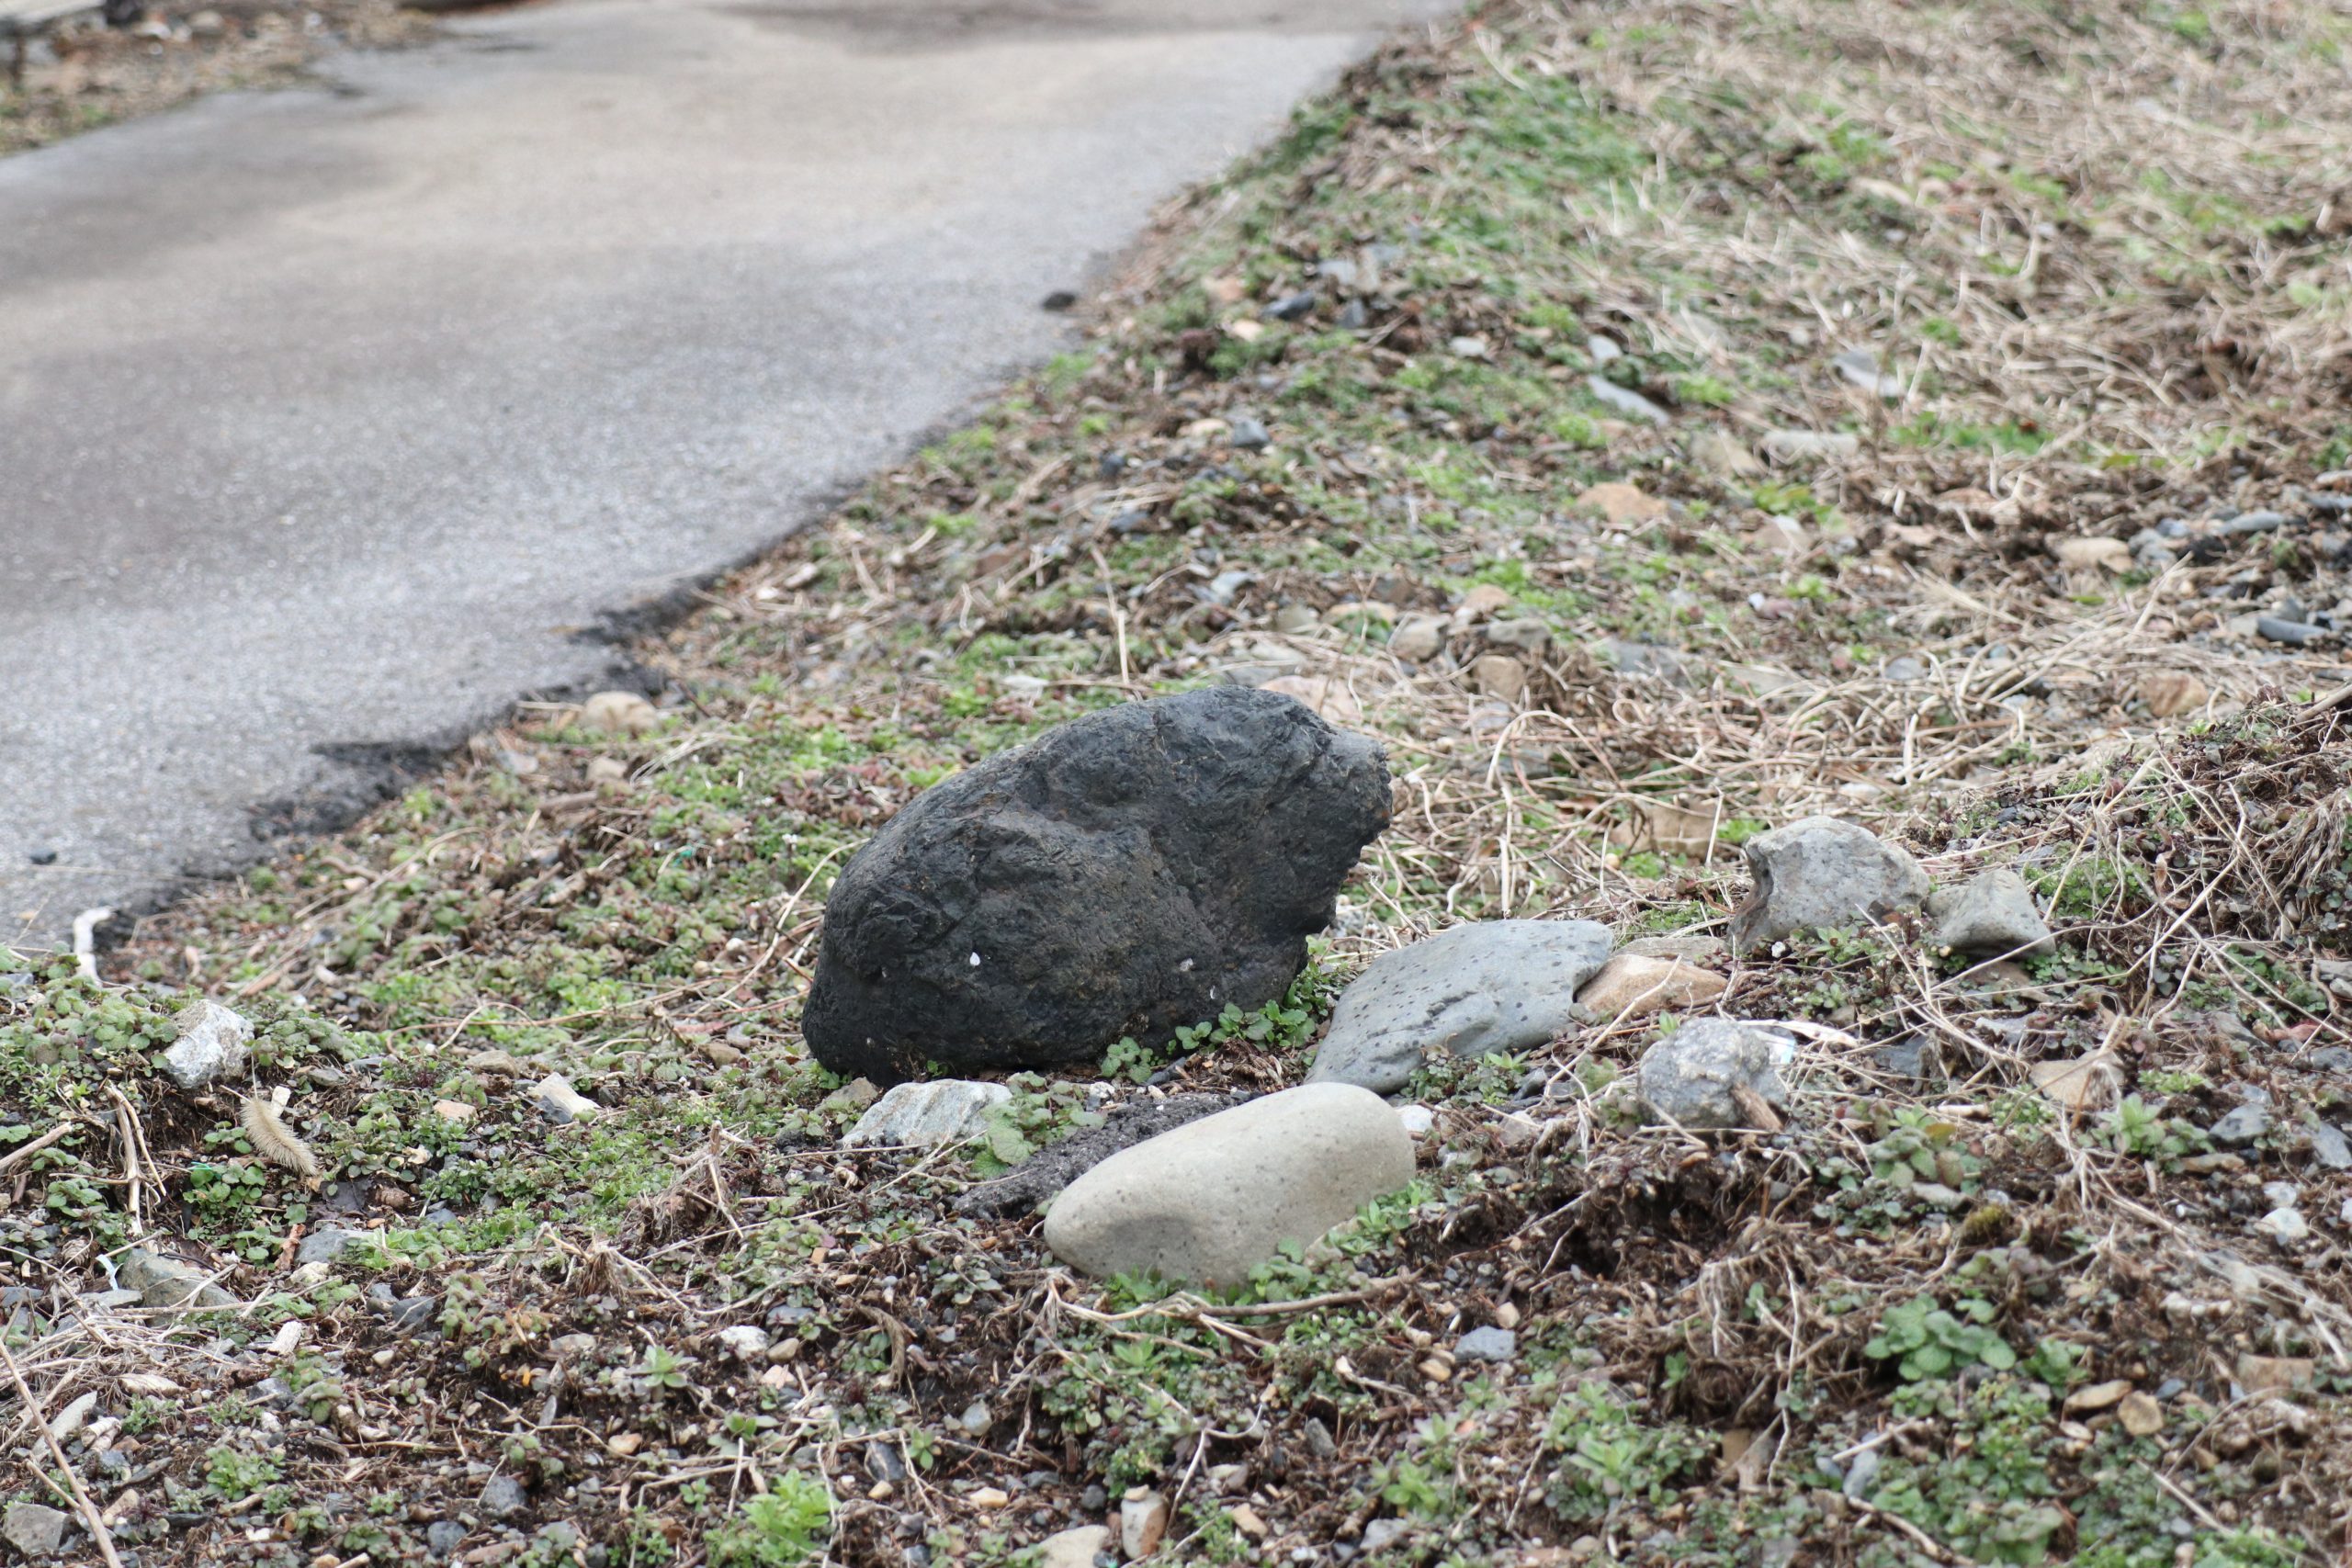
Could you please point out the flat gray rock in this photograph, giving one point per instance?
(1822, 873)
(34, 1528)
(1690, 1076)
(1494, 985)
(1216, 1198)
(166, 1282)
(943, 1111)
(1991, 916)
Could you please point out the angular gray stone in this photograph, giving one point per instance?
(1123, 874)
(443, 1537)
(1991, 916)
(325, 1245)
(2240, 1126)
(943, 1110)
(1216, 1197)
(1489, 1344)
(1823, 874)
(2330, 1148)
(1647, 660)
(1688, 1077)
(212, 1045)
(504, 1497)
(34, 1529)
(166, 1282)
(1491, 986)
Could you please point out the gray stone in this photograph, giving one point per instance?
(2286, 1227)
(166, 1282)
(213, 1045)
(2254, 522)
(1492, 985)
(1688, 1077)
(2296, 634)
(1214, 1198)
(1380, 1534)
(1125, 874)
(1418, 640)
(943, 1111)
(1991, 916)
(1915, 1056)
(1248, 436)
(325, 1245)
(1528, 634)
(2240, 1127)
(1626, 401)
(504, 1497)
(34, 1529)
(1823, 874)
(1489, 1344)
(1906, 668)
(1646, 661)
(561, 1103)
(2330, 1148)
(443, 1537)
(2332, 1058)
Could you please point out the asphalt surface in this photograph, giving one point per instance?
(330, 419)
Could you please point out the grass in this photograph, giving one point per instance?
(2110, 308)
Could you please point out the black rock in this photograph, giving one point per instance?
(43, 857)
(1058, 301)
(1127, 874)
(1293, 308)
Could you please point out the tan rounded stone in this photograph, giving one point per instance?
(1634, 985)
(1213, 1198)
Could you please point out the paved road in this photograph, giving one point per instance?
(327, 417)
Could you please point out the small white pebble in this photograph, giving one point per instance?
(1417, 1120)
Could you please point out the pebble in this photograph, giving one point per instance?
(1905, 669)
(1498, 676)
(1690, 1077)
(944, 1111)
(1991, 916)
(1074, 1547)
(2297, 634)
(2140, 1414)
(1292, 307)
(325, 1245)
(1143, 1522)
(1211, 1200)
(212, 1046)
(2285, 1226)
(1632, 984)
(619, 713)
(2330, 1148)
(1528, 636)
(561, 1103)
(1418, 640)
(504, 1497)
(1822, 873)
(1417, 1120)
(1482, 987)
(33, 1529)
(1621, 503)
(1248, 436)
(2241, 1126)
(1626, 401)
(1487, 1345)
(745, 1341)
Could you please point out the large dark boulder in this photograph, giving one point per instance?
(1129, 873)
